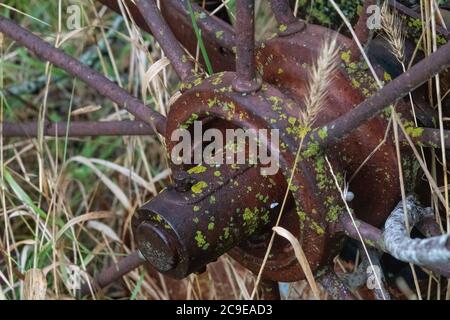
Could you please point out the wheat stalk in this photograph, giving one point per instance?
(320, 77)
(392, 25)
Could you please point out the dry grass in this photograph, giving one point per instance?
(321, 75)
(67, 203)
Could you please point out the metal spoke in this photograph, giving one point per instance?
(166, 39)
(246, 79)
(389, 94)
(77, 129)
(289, 24)
(91, 77)
(113, 273)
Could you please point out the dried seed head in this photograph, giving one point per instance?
(392, 26)
(320, 77)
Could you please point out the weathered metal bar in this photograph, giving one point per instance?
(212, 28)
(388, 95)
(114, 272)
(429, 251)
(413, 14)
(335, 288)
(184, 67)
(246, 79)
(374, 237)
(430, 137)
(77, 129)
(217, 35)
(288, 23)
(91, 77)
(371, 235)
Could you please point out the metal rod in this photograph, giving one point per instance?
(388, 95)
(77, 129)
(429, 251)
(114, 272)
(413, 14)
(246, 80)
(184, 67)
(335, 288)
(430, 137)
(371, 235)
(91, 77)
(213, 29)
(374, 237)
(289, 23)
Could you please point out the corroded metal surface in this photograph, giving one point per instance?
(217, 35)
(317, 202)
(212, 97)
(183, 229)
(78, 129)
(184, 67)
(247, 80)
(288, 23)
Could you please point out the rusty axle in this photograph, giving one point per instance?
(186, 226)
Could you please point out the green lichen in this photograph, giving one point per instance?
(346, 56)
(323, 133)
(282, 27)
(200, 239)
(312, 149)
(190, 121)
(302, 215)
(198, 187)
(226, 233)
(219, 34)
(198, 169)
(317, 228)
(412, 130)
(333, 213)
(250, 220)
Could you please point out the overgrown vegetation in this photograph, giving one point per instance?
(66, 204)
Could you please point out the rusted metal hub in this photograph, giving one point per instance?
(213, 210)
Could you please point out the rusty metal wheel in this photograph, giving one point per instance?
(212, 210)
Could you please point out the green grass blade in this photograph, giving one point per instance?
(198, 34)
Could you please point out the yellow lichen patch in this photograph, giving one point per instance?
(196, 170)
(198, 187)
